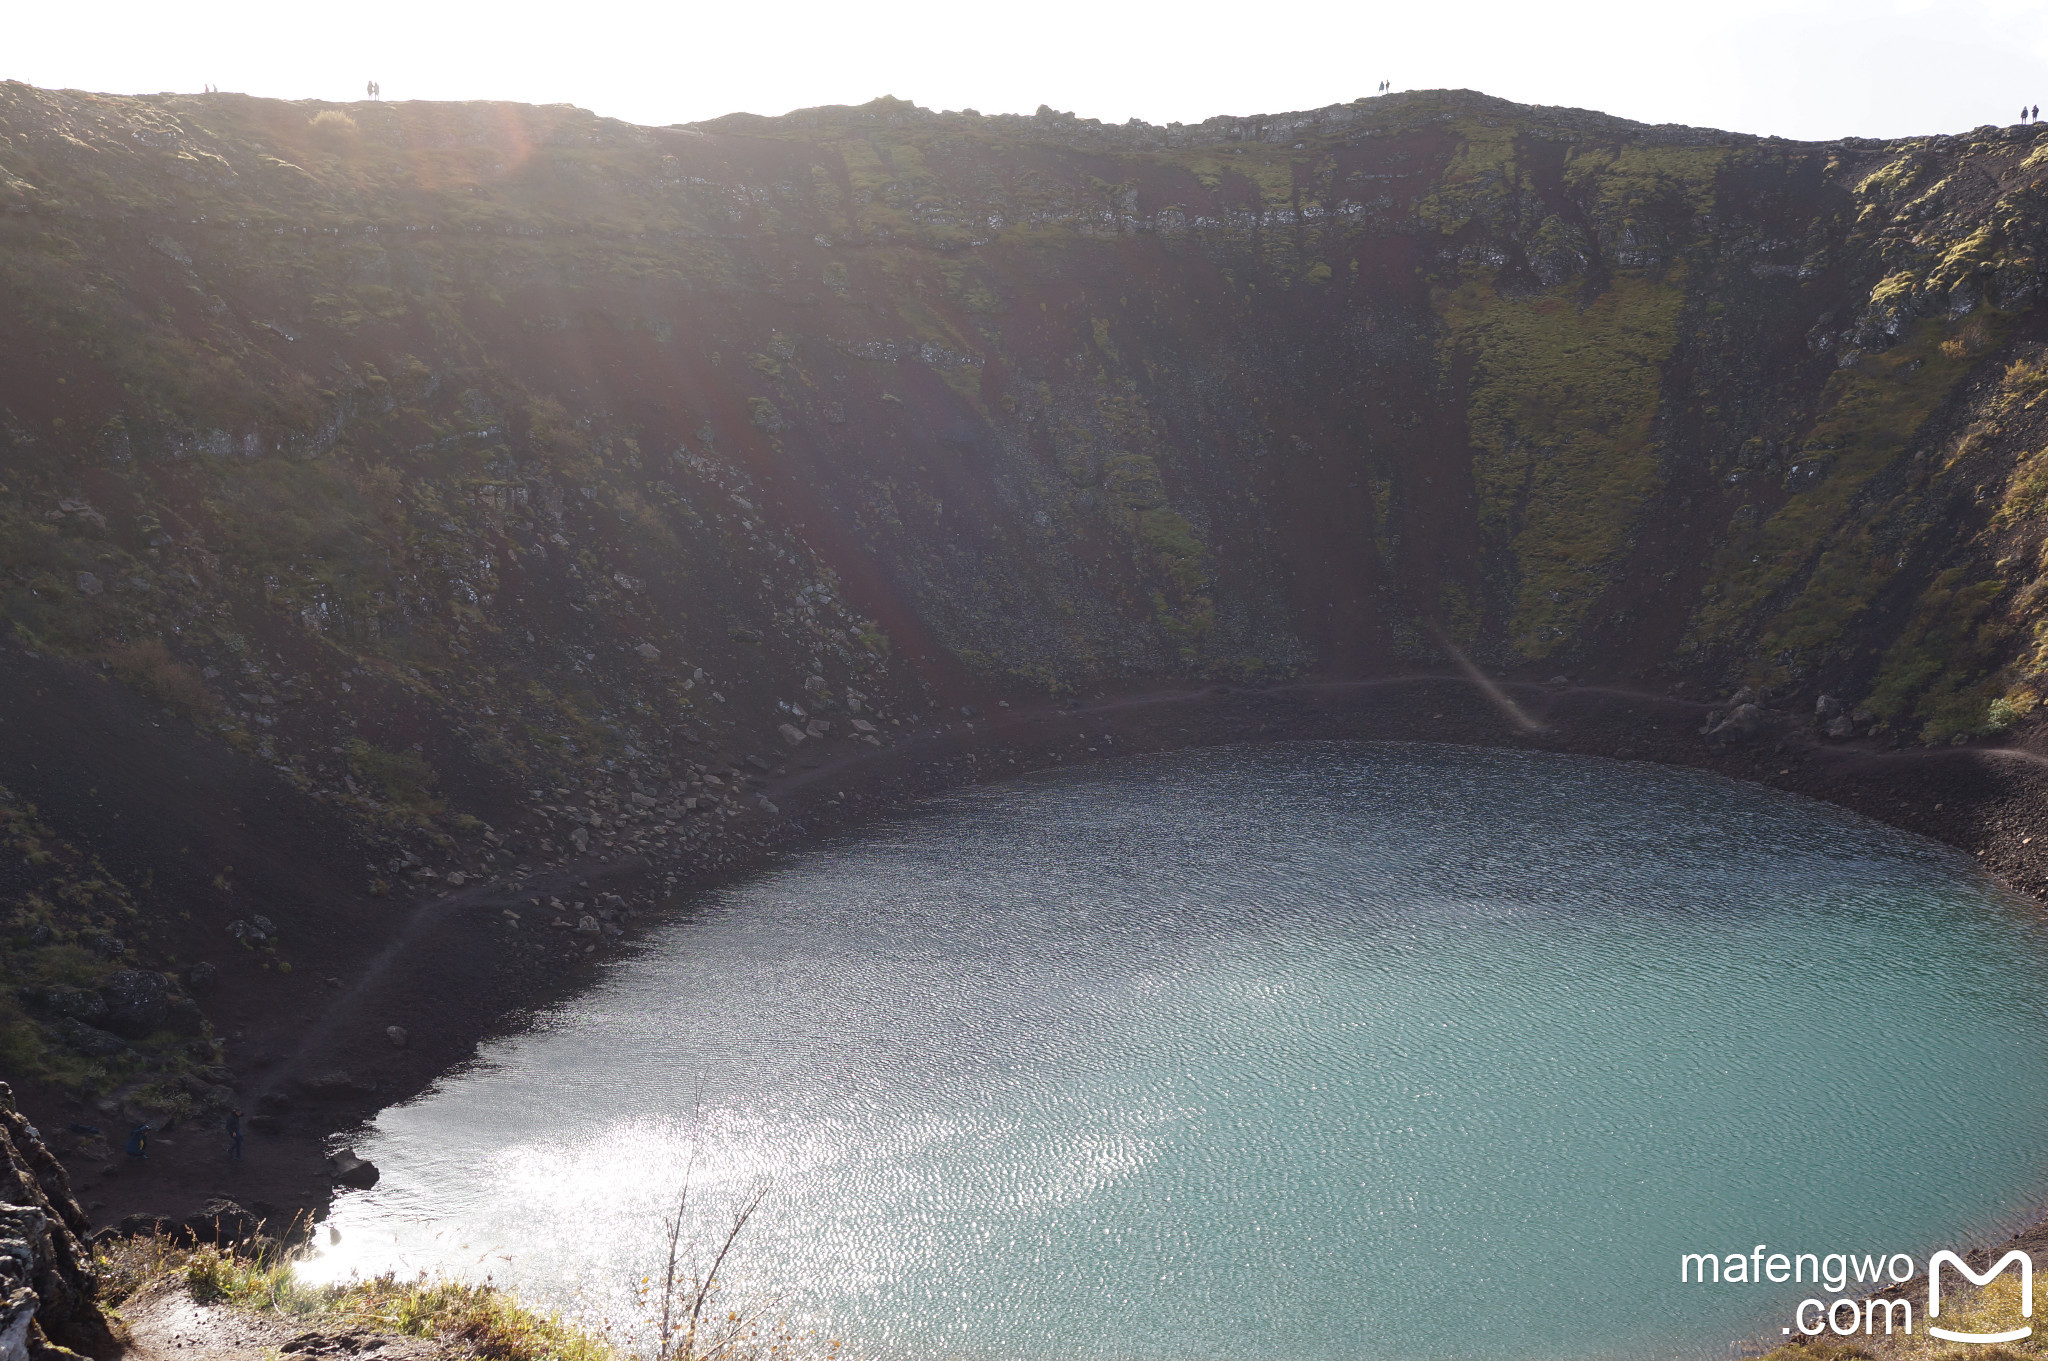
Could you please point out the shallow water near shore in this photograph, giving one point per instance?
(1301, 1051)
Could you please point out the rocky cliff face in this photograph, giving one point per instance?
(49, 1290)
(438, 488)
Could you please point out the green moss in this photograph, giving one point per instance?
(1561, 414)
(544, 232)
(66, 911)
(1565, 385)
(22, 1049)
(1625, 188)
(1180, 555)
(1869, 415)
(403, 777)
(1478, 180)
(1893, 178)
(2026, 491)
(1133, 481)
(1895, 288)
(1935, 675)
(1458, 613)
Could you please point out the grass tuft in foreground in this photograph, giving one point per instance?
(467, 1320)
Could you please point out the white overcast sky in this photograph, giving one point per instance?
(1799, 68)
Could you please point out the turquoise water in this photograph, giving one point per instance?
(1290, 1052)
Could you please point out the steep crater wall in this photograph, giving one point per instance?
(410, 509)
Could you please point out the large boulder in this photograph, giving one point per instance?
(333, 1084)
(183, 1017)
(88, 1040)
(1742, 724)
(80, 1004)
(137, 1002)
(218, 1221)
(224, 1222)
(349, 1170)
(143, 1225)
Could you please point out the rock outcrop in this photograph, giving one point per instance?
(49, 1290)
(222, 1222)
(137, 1002)
(348, 1170)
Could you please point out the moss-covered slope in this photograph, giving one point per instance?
(446, 458)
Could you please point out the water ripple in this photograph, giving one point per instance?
(1315, 1051)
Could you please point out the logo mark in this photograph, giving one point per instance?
(1934, 1294)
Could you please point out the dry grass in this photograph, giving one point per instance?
(148, 666)
(480, 1319)
(1969, 338)
(333, 124)
(467, 1320)
(1971, 1309)
(470, 1320)
(684, 1310)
